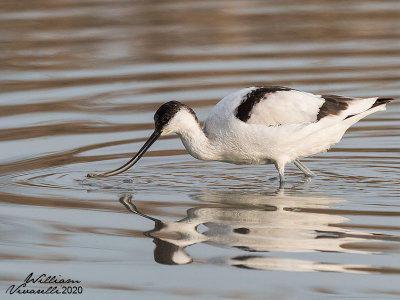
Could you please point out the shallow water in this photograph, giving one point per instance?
(80, 81)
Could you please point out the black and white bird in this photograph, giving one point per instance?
(261, 125)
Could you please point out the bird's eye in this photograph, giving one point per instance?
(162, 121)
(165, 120)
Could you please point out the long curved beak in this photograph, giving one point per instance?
(156, 134)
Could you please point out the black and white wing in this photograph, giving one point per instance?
(273, 106)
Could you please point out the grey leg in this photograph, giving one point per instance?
(281, 170)
(303, 168)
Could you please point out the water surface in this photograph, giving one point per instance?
(80, 81)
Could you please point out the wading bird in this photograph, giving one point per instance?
(261, 125)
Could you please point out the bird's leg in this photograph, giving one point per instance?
(303, 168)
(281, 169)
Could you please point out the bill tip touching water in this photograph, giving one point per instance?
(261, 125)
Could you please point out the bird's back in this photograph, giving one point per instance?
(277, 106)
(274, 116)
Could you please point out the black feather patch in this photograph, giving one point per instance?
(381, 101)
(333, 105)
(243, 111)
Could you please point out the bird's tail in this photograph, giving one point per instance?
(381, 101)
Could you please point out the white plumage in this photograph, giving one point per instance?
(262, 125)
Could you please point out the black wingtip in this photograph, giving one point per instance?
(381, 100)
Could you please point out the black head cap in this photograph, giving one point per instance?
(167, 111)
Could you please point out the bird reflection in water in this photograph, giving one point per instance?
(170, 238)
(259, 223)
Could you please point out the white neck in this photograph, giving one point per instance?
(196, 142)
(192, 136)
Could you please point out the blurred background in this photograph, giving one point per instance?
(80, 81)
